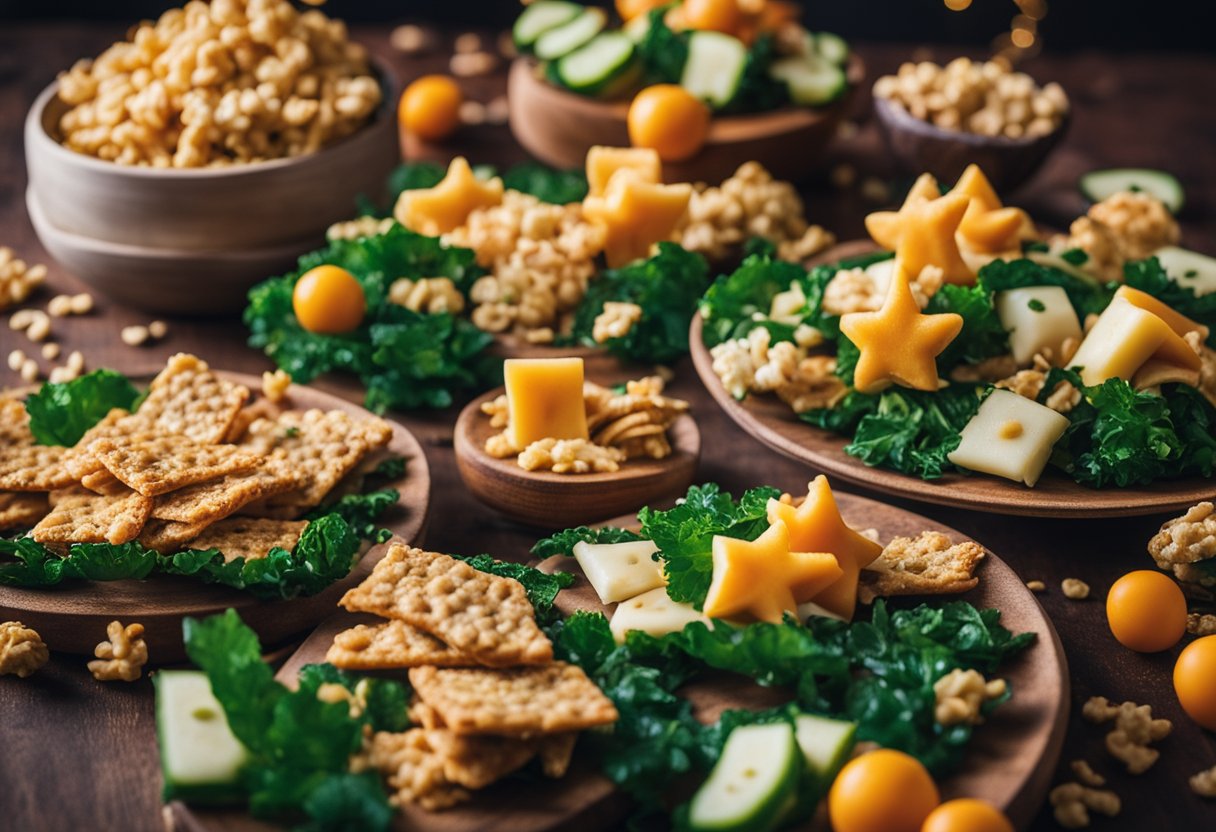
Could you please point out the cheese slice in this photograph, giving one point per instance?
(603, 162)
(652, 612)
(1124, 337)
(1010, 436)
(1038, 318)
(544, 399)
(617, 571)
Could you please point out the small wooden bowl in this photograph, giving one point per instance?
(557, 501)
(920, 146)
(559, 127)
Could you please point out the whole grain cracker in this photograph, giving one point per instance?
(21, 510)
(485, 616)
(164, 464)
(250, 538)
(217, 499)
(80, 516)
(929, 564)
(389, 645)
(547, 699)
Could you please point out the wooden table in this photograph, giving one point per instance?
(78, 754)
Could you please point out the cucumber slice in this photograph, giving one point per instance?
(751, 785)
(540, 17)
(594, 66)
(199, 756)
(812, 80)
(825, 745)
(1099, 184)
(564, 39)
(832, 48)
(1191, 269)
(714, 68)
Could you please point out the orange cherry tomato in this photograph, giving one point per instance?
(668, 119)
(430, 107)
(328, 300)
(967, 815)
(1195, 681)
(718, 15)
(882, 791)
(629, 9)
(1146, 611)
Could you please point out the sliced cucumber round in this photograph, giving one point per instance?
(714, 68)
(595, 66)
(1099, 184)
(1190, 269)
(752, 785)
(564, 39)
(812, 80)
(832, 48)
(541, 17)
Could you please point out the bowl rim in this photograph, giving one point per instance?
(894, 115)
(35, 131)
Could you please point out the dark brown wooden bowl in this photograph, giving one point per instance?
(558, 501)
(559, 127)
(919, 146)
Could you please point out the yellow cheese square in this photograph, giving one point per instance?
(544, 399)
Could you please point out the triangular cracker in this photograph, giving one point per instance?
(80, 516)
(393, 644)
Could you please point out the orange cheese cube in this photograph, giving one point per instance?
(544, 399)
(603, 162)
(1124, 338)
(636, 214)
(437, 210)
(1178, 322)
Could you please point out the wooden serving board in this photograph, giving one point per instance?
(771, 421)
(72, 618)
(1009, 762)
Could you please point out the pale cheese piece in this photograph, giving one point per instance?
(652, 612)
(1123, 338)
(1191, 269)
(617, 571)
(544, 399)
(1010, 436)
(1038, 318)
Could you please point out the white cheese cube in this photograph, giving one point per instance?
(1038, 318)
(1191, 269)
(617, 571)
(652, 612)
(1009, 436)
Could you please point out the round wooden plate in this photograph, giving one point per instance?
(548, 500)
(1009, 762)
(771, 421)
(72, 618)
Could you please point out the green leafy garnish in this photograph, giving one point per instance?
(666, 286)
(562, 543)
(60, 413)
(542, 587)
(684, 534)
(405, 359)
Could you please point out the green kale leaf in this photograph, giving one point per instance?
(60, 413)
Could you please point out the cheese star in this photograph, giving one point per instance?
(898, 344)
(816, 526)
(885, 227)
(437, 210)
(763, 579)
(636, 214)
(988, 227)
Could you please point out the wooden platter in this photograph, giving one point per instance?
(1010, 761)
(549, 500)
(771, 421)
(72, 617)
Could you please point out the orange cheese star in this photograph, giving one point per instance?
(762, 579)
(898, 344)
(816, 526)
(437, 210)
(988, 226)
(885, 227)
(636, 214)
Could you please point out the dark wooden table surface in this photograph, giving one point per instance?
(75, 754)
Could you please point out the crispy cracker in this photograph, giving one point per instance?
(930, 564)
(167, 463)
(80, 516)
(482, 615)
(477, 761)
(104, 483)
(323, 445)
(548, 699)
(250, 538)
(218, 499)
(390, 645)
(413, 770)
(22, 510)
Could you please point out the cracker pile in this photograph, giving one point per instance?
(488, 696)
(194, 466)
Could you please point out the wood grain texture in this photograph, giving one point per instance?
(72, 618)
(558, 501)
(82, 755)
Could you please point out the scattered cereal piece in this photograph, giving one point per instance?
(22, 651)
(1085, 773)
(1201, 625)
(961, 695)
(1073, 802)
(123, 656)
(275, 385)
(134, 336)
(470, 64)
(1204, 783)
(1075, 589)
(1036, 586)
